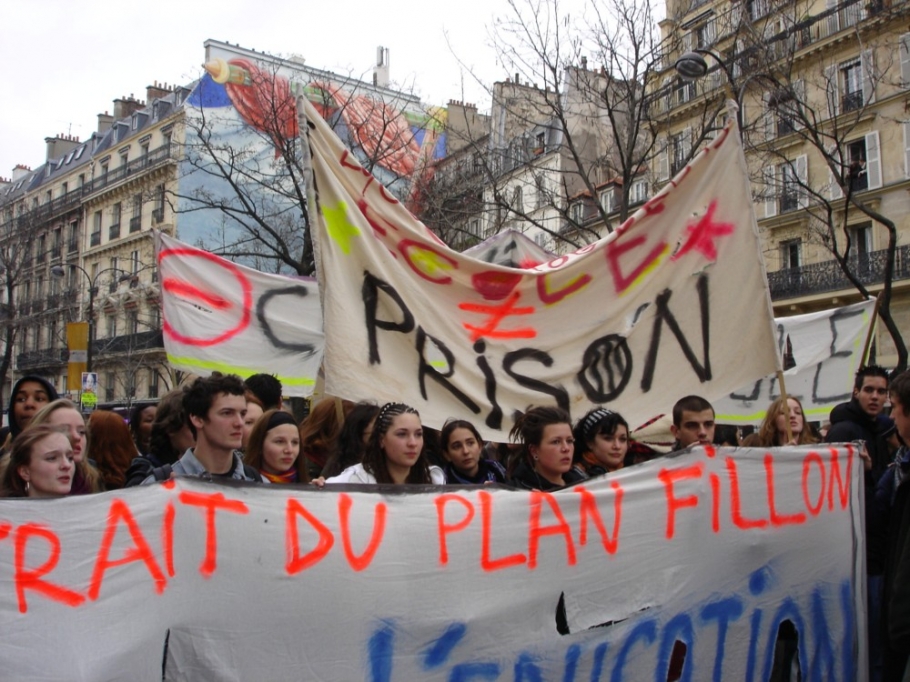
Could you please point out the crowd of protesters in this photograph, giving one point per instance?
(223, 427)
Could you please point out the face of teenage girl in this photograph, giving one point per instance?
(463, 451)
(146, 419)
(553, 457)
(75, 426)
(796, 421)
(610, 449)
(280, 448)
(49, 472)
(30, 398)
(402, 444)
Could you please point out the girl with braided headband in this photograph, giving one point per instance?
(601, 442)
(395, 451)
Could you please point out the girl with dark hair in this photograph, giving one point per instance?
(112, 446)
(142, 417)
(353, 439)
(601, 442)
(41, 463)
(170, 438)
(65, 413)
(273, 449)
(395, 452)
(462, 447)
(545, 459)
(171, 434)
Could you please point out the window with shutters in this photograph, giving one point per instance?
(851, 83)
(863, 159)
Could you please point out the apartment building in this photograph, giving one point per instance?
(82, 224)
(542, 149)
(824, 95)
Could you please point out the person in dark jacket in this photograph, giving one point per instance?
(896, 592)
(545, 460)
(854, 421)
(462, 448)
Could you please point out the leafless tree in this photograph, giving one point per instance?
(246, 161)
(815, 112)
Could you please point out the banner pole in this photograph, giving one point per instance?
(868, 344)
(784, 398)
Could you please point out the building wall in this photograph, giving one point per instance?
(819, 54)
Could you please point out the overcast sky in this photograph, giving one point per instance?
(66, 61)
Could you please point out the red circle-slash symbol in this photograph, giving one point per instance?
(208, 298)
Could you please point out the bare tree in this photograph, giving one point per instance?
(17, 240)
(244, 159)
(573, 129)
(818, 153)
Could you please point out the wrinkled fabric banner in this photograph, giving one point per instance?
(221, 316)
(826, 349)
(663, 307)
(208, 581)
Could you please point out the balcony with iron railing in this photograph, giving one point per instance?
(114, 231)
(50, 358)
(135, 223)
(154, 158)
(126, 343)
(819, 278)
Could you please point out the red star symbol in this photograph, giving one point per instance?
(700, 236)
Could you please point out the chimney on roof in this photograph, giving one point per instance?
(60, 145)
(105, 121)
(126, 106)
(381, 68)
(20, 171)
(156, 91)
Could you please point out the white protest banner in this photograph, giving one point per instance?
(221, 316)
(510, 248)
(662, 307)
(191, 580)
(827, 349)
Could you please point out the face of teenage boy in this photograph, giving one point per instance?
(871, 396)
(222, 428)
(900, 413)
(694, 428)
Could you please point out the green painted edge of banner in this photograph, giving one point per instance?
(243, 372)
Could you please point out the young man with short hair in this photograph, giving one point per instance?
(267, 388)
(693, 422)
(215, 407)
(857, 420)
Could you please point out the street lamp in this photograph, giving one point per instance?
(60, 271)
(692, 65)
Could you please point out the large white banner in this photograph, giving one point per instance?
(191, 580)
(662, 307)
(221, 316)
(827, 349)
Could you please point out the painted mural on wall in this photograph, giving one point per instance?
(242, 178)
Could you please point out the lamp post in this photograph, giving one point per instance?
(692, 65)
(60, 271)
